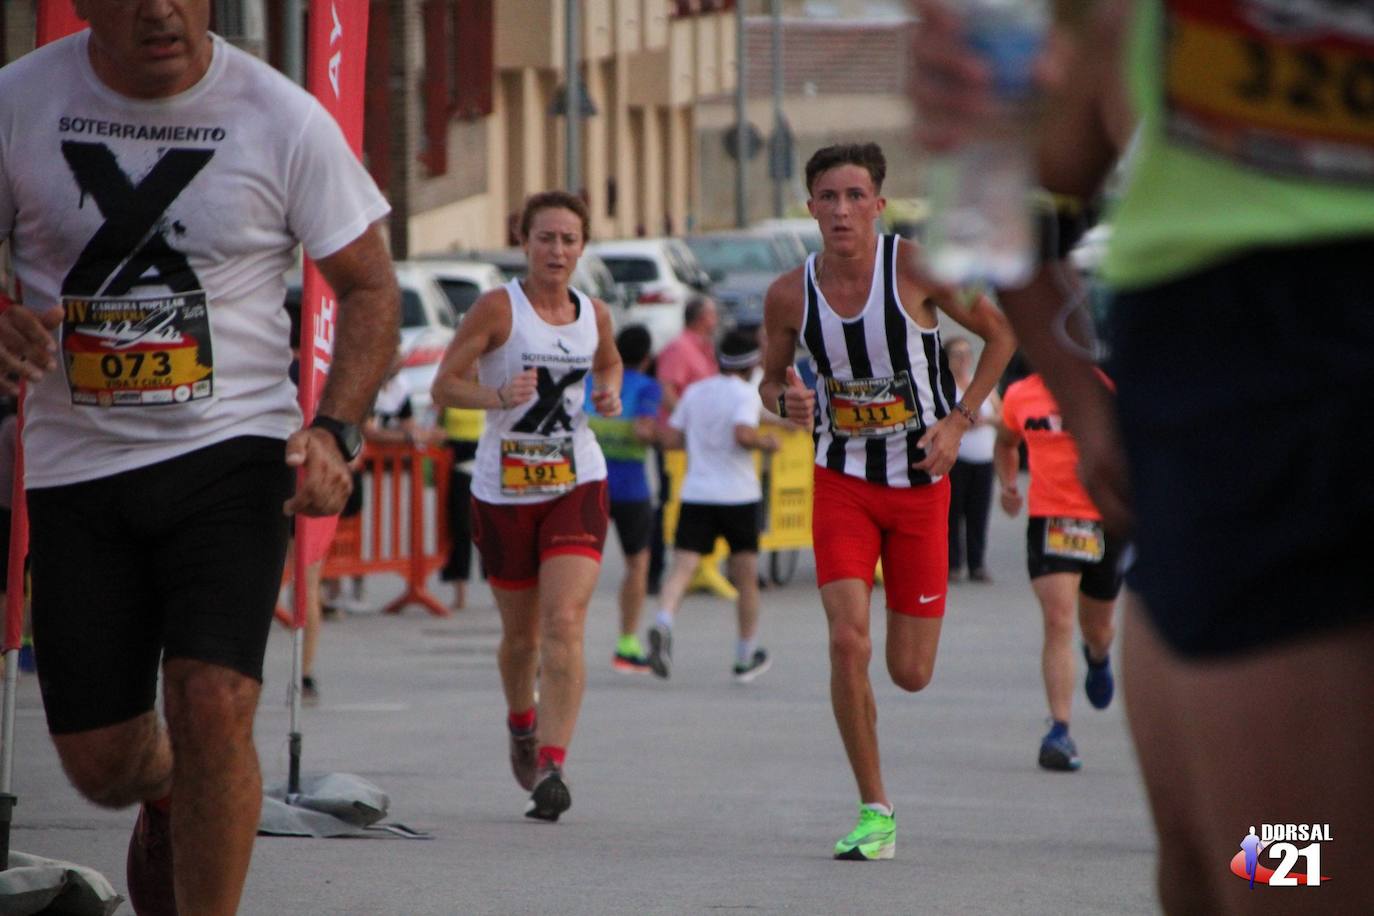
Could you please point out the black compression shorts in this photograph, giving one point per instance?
(634, 524)
(181, 559)
(1100, 579)
(1244, 396)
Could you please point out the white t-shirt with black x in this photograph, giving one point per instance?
(164, 228)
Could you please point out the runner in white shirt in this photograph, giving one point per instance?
(155, 183)
(717, 420)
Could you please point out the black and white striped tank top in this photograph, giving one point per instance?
(881, 380)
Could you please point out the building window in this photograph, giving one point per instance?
(474, 65)
(682, 8)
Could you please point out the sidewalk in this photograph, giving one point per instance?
(690, 796)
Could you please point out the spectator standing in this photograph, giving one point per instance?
(971, 478)
(462, 428)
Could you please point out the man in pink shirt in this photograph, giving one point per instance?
(689, 357)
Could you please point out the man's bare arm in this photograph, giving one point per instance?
(783, 308)
(368, 328)
(1086, 129)
(365, 340)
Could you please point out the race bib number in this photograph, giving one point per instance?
(1281, 86)
(531, 467)
(1075, 539)
(138, 352)
(871, 406)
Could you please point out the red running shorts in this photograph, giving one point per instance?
(856, 522)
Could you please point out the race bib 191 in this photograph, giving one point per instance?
(543, 467)
(871, 406)
(1282, 86)
(1075, 539)
(137, 352)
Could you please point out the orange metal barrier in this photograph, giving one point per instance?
(389, 534)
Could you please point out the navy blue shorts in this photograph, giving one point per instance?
(1246, 394)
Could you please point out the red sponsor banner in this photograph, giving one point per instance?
(57, 19)
(336, 55)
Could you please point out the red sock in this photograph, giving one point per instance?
(162, 805)
(550, 756)
(521, 721)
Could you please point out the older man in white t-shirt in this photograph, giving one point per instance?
(155, 184)
(717, 420)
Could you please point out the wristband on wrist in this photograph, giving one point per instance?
(967, 414)
(782, 405)
(501, 397)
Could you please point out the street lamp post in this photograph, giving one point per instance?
(572, 98)
(741, 120)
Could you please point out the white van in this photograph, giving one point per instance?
(658, 276)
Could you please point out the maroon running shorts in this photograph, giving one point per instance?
(515, 538)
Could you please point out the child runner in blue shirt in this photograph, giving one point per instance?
(625, 441)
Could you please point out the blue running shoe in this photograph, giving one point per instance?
(1099, 684)
(1058, 752)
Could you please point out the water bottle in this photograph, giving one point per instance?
(981, 227)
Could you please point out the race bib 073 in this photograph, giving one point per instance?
(1286, 86)
(871, 406)
(532, 467)
(138, 352)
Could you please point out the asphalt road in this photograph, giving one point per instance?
(690, 796)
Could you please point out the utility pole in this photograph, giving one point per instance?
(572, 97)
(779, 123)
(293, 43)
(401, 151)
(741, 122)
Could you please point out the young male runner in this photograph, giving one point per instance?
(717, 421)
(887, 431)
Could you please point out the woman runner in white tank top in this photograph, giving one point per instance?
(539, 486)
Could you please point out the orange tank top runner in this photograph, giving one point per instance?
(1055, 490)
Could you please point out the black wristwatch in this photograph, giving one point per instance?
(347, 435)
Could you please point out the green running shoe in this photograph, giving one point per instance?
(874, 837)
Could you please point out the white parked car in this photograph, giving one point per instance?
(658, 277)
(427, 324)
(461, 281)
(800, 232)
